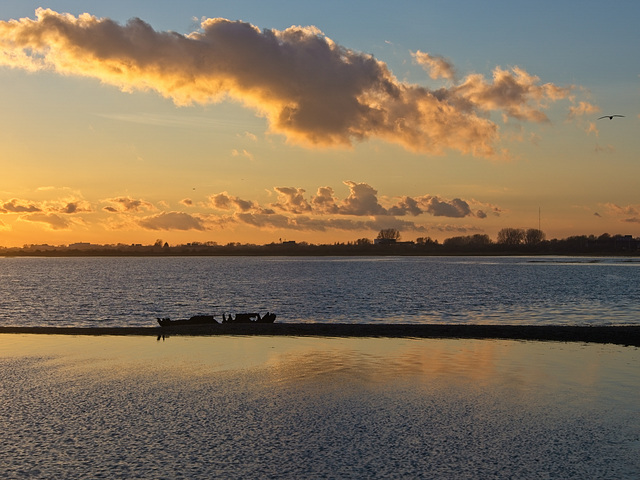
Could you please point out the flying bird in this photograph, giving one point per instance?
(610, 117)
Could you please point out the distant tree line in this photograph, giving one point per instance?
(509, 241)
(534, 241)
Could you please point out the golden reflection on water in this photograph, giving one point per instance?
(303, 407)
(517, 364)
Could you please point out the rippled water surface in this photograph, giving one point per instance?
(133, 291)
(285, 407)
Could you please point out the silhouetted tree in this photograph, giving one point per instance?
(605, 239)
(389, 234)
(474, 241)
(480, 240)
(533, 236)
(576, 243)
(456, 242)
(363, 241)
(426, 241)
(511, 236)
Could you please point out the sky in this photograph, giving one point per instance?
(323, 122)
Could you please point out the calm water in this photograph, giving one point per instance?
(284, 407)
(133, 291)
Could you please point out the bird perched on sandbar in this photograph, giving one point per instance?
(610, 117)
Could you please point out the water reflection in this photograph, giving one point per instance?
(287, 407)
(594, 371)
(543, 366)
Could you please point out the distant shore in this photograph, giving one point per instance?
(628, 335)
(474, 245)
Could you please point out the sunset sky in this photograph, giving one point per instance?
(254, 122)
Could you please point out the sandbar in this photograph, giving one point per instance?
(628, 335)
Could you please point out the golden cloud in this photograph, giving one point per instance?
(311, 90)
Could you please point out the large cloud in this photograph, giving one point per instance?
(311, 90)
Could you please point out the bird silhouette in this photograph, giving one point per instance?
(610, 117)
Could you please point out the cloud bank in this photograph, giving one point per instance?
(324, 211)
(362, 209)
(310, 89)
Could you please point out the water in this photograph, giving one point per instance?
(120, 292)
(291, 407)
(285, 407)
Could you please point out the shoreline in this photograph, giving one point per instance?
(627, 335)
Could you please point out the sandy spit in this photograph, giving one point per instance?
(621, 335)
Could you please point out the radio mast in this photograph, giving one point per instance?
(539, 229)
